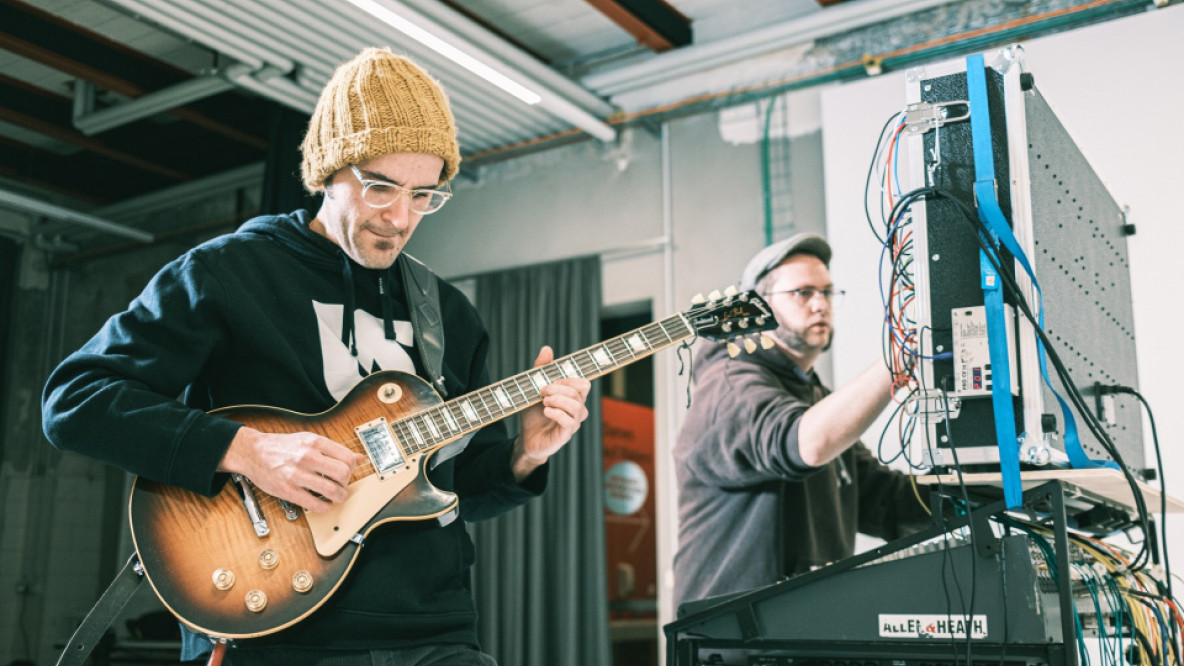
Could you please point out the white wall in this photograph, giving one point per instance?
(1114, 90)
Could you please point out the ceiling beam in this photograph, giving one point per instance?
(95, 121)
(38, 207)
(686, 62)
(47, 39)
(48, 114)
(654, 23)
(38, 35)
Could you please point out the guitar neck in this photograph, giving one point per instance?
(434, 427)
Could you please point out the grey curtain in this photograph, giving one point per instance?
(539, 581)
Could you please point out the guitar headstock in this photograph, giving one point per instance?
(732, 315)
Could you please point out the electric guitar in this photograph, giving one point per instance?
(243, 563)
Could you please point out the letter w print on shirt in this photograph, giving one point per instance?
(375, 352)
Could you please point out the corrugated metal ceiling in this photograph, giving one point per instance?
(590, 72)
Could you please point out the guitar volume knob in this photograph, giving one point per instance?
(256, 601)
(390, 393)
(223, 579)
(302, 581)
(269, 559)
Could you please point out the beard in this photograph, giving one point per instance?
(796, 340)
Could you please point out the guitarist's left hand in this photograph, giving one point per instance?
(547, 426)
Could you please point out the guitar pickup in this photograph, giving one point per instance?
(380, 443)
(251, 505)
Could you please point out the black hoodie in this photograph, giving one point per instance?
(750, 510)
(267, 316)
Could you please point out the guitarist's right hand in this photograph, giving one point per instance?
(293, 466)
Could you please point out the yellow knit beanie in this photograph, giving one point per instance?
(377, 104)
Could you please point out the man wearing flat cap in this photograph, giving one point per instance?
(772, 479)
(292, 311)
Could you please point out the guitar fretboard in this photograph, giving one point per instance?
(443, 423)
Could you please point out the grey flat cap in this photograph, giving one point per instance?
(772, 256)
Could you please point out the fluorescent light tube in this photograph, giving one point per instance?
(449, 51)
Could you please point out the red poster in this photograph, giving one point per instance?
(629, 509)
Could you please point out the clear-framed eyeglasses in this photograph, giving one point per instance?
(382, 194)
(804, 295)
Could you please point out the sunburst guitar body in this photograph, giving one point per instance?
(212, 568)
(244, 564)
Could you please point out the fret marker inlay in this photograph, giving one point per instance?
(502, 398)
(637, 343)
(432, 425)
(467, 408)
(415, 433)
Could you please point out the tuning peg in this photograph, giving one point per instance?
(766, 342)
(730, 291)
(698, 300)
(726, 327)
(733, 350)
(749, 345)
(761, 319)
(715, 295)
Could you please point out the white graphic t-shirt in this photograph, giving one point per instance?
(375, 352)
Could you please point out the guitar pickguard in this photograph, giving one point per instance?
(404, 494)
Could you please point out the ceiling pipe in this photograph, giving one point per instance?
(281, 34)
(38, 207)
(179, 196)
(148, 104)
(695, 59)
(271, 84)
(209, 32)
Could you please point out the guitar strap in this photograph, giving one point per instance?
(423, 302)
(88, 634)
(422, 288)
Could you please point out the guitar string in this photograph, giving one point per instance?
(402, 426)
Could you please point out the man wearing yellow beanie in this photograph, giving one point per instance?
(292, 311)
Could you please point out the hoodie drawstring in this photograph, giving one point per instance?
(349, 336)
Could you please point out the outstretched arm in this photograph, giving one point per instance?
(835, 423)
